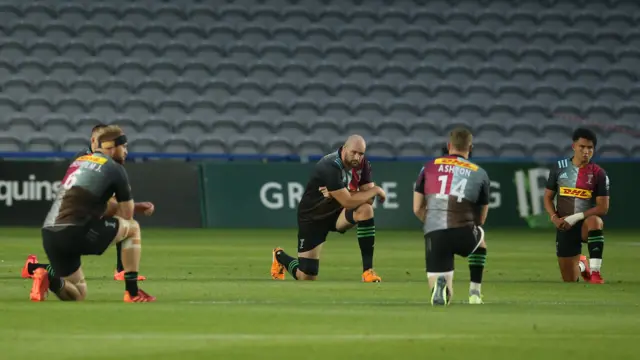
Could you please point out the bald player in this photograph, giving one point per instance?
(338, 196)
(451, 199)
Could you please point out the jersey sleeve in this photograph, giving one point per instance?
(552, 181)
(420, 182)
(602, 183)
(331, 176)
(483, 198)
(122, 186)
(365, 177)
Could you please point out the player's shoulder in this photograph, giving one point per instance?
(330, 161)
(561, 164)
(82, 152)
(596, 168)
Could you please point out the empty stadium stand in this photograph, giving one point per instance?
(294, 76)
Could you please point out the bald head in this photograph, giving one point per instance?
(355, 141)
(353, 150)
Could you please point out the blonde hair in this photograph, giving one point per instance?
(106, 136)
(460, 139)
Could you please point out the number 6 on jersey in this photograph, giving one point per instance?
(446, 188)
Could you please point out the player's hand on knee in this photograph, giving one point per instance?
(382, 195)
(148, 208)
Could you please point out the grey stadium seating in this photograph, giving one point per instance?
(295, 76)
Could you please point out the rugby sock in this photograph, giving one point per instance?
(477, 261)
(131, 282)
(32, 267)
(55, 283)
(290, 263)
(366, 239)
(119, 265)
(595, 239)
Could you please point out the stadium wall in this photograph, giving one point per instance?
(254, 194)
(28, 187)
(265, 195)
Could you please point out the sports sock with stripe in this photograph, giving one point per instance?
(119, 265)
(290, 263)
(477, 260)
(366, 239)
(131, 282)
(32, 267)
(55, 283)
(595, 239)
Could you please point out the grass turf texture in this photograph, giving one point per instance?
(216, 298)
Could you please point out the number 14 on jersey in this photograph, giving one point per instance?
(446, 189)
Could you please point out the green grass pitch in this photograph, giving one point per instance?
(216, 301)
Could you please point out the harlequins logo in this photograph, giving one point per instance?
(590, 177)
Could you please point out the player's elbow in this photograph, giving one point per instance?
(604, 209)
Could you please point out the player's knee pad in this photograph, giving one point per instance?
(349, 216)
(309, 266)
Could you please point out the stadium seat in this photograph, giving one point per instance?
(56, 125)
(74, 142)
(178, 144)
(277, 145)
(245, 145)
(41, 142)
(311, 146)
(411, 147)
(211, 144)
(302, 69)
(10, 143)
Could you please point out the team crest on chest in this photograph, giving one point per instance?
(590, 179)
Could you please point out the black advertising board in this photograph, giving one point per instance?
(27, 189)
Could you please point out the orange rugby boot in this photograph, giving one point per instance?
(40, 286)
(141, 297)
(31, 259)
(586, 274)
(596, 278)
(277, 269)
(370, 276)
(119, 276)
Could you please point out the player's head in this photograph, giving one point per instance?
(460, 142)
(353, 150)
(94, 135)
(584, 144)
(112, 141)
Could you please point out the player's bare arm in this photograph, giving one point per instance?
(482, 215)
(601, 208)
(419, 206)
(112, 208)
(365, 187)
(352, 201)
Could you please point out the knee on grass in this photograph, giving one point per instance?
(308, 269)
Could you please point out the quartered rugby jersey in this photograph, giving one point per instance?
(454, 189)
(576, 188)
